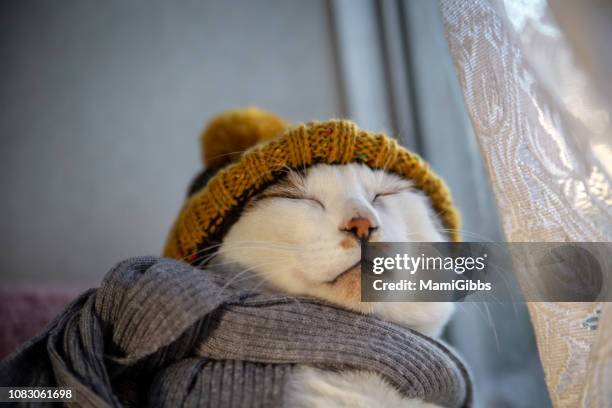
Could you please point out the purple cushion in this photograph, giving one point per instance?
(26, 310)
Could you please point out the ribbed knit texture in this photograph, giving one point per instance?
(162, 333)
(203, 220)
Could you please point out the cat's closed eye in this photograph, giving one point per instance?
(385, 194)
(296, 197)
(391, 192)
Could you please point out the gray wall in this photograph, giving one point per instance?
(101, 106)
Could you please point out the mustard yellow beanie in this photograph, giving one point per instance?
(247, 150)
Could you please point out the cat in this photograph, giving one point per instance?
(302, 235)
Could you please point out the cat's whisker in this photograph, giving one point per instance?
(262, 244)
(471, 234)
(267, 242)
(228, 263)
(190, 258)
(243, 245)
(235, 278)
(461, 306)
(492, 325)
(486, 316)
(233, 248)
(259, 284)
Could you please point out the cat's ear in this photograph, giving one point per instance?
(232, 132)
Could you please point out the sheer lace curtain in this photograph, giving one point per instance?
(539, 103)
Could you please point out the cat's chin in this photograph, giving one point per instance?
(341, 278)
(344, 290)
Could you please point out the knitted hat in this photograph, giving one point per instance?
(247, 150)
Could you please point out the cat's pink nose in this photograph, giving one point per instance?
(360, 227)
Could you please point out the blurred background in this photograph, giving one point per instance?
(102, 105)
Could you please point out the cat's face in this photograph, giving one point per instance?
(302, 236)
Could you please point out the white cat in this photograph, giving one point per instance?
(302, 236)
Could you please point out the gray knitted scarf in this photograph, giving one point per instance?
(162, 333)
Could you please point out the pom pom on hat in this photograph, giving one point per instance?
(234, 131)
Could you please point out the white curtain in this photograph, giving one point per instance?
(541, 115)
